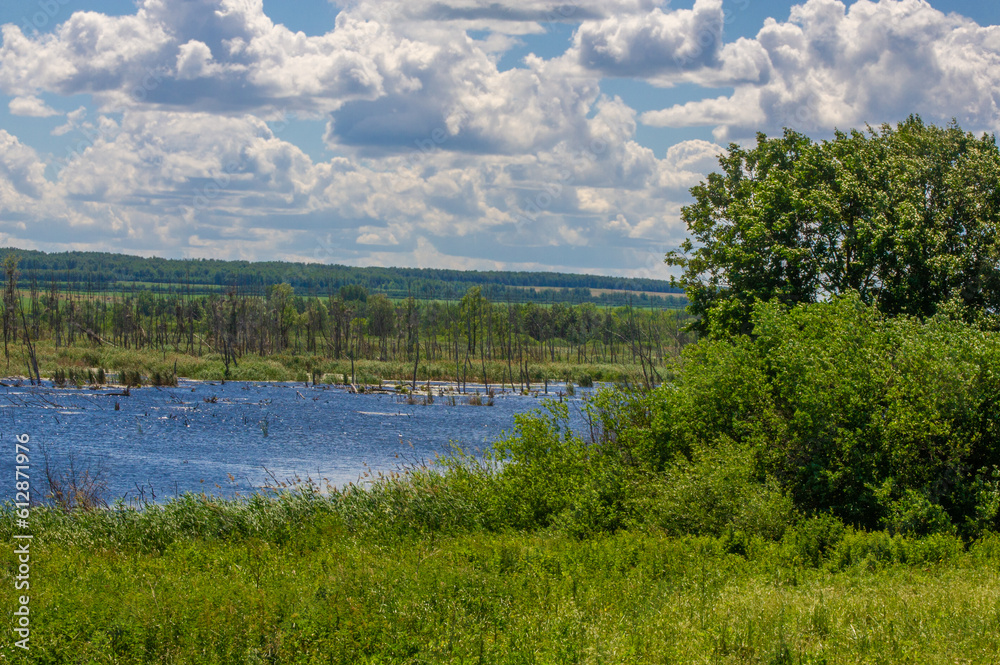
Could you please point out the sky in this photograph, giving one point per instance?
(472, 134)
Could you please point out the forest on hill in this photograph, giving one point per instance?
(105, 271)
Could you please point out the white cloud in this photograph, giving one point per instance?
(439, 158)
(213, 55)
(22, 174)
(686, 164)
(832, 66)
(203, 185)
(665, 48)
(651, 44)
(194, 60)
(440, 153)
(31, 106)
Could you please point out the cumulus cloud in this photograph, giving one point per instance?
(22, 174)
(438, 152)
(210, 55)
(833, 66)
(642, 45)
(384, 90)
(667, 47)
(203, 185)
(31, 106)
(460, 101)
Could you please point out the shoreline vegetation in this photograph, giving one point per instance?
(302, 579)
(87, 366)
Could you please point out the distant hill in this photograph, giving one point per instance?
(105, 271)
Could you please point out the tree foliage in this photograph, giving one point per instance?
(908, 217)
(830, 409)
(883, 421)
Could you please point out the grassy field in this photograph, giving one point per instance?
(315, 580)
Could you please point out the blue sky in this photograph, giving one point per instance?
(482, 134)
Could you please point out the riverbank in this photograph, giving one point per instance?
(82, 363)
(302, 579)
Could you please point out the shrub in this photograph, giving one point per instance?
(849, 411)
(542, 474)
(714, 494)
(915, 514)
(813, 539)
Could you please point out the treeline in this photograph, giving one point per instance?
(117, 272)
(346, 324)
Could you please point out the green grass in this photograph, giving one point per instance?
(297, 580)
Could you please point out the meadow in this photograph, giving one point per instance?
(303, 578)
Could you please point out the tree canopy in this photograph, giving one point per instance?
(906, 216)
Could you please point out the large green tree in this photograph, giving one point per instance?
(906, 216)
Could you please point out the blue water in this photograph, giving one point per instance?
(210, 437)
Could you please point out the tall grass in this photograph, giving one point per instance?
(708, 520)
(398, 575)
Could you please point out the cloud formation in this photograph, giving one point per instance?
(654, 43)
(434, 153)
(31, 107)
(832, 66)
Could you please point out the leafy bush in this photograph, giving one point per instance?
(915, 514)
(813, 539)
(849, 411)
(714, 494)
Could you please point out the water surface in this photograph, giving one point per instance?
(238, 436)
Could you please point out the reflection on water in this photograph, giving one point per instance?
(224, 438)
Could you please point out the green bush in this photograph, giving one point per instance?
(830, 410)
(713, 494)
(848, 411)
(915, 514)
(542, 475)
(812, 540)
